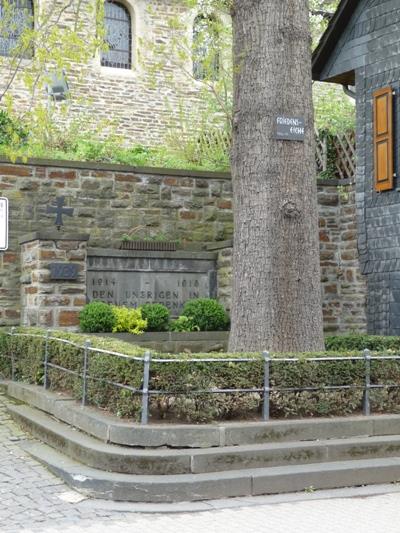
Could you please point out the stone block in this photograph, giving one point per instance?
(62, 174)
(68, 319)
(187, 215)
(169, 489)
(45, 318)
(37, 396)
(16, 170)
(296, 430)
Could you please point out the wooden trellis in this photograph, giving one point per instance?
(343, 145)
(321, 155)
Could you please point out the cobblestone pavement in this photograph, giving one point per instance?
(33, 500)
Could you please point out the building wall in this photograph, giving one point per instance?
(142, 104)
(371, 31)
(370, 45)
(196, 208)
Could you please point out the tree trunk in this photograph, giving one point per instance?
(276, 301)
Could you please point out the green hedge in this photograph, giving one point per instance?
(179, 377)
(359, 341)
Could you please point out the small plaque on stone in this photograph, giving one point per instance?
(290, 128)
(64, 271)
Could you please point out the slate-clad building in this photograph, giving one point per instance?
(361, 50)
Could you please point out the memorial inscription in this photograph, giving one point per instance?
(132, 280)
(133, 289)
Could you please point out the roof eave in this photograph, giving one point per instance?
(329, 40)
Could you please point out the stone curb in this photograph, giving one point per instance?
(365, 491)
(161, 462)
(188, 487)
(110, 429)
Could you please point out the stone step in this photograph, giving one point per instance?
(196, 487)
(113, 458)
(110, 429)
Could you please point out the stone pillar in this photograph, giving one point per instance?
(53, 280)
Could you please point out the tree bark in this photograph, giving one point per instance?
(276, 303)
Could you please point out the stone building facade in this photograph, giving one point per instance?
(141, 101)
(361, 49)
(196, 208)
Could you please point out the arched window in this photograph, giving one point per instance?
(118, 28)
(206, 53)
(15, 17)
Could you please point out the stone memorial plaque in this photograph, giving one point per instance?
(133, 279)
(3, 223)
(290, 128)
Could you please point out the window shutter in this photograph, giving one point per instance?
(383, 139)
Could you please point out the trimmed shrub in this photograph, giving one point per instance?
(207, 314)
(183, 378)
(157, 316)
(129, 320)
(97, 317)
(183, 324)
(360, 341)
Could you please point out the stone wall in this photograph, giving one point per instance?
(109, 201)
(342, 285)
(196, 208)
(145, 102)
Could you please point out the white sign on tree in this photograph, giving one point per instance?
(3, 223)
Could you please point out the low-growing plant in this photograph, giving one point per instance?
(207, 314)
(183, 324)
(11, 131)
(128, 320)
(97, 317)
(157, 316)
(158, 237)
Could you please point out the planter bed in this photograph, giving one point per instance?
(173, 342)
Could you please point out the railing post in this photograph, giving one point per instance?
(85, 368)
(12, 356)
(145, 391)
(367, 385)
(267, 361)
(46, 360)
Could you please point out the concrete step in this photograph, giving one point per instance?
(113, 458)
(110, 429)
(195, 487)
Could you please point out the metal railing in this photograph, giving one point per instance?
(147, 359)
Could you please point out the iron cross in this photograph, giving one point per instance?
(60, 210)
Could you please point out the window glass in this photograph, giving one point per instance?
(118, 26)
(15, 17)
(205, 48)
